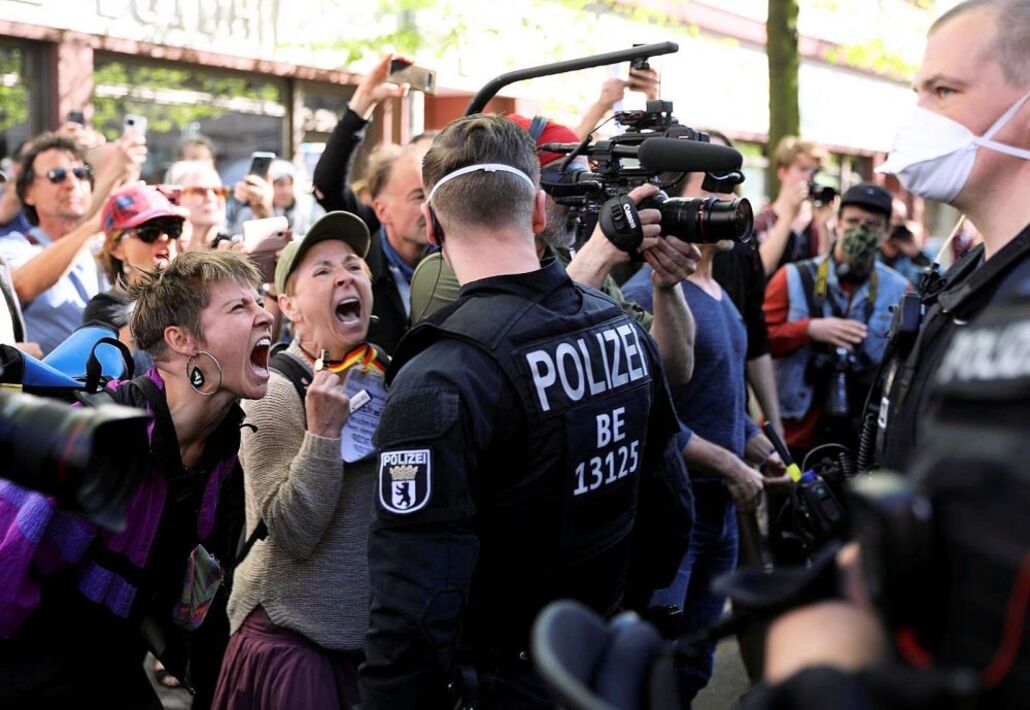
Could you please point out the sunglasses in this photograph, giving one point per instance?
(150, 232)
(59, 175)
(198, 191)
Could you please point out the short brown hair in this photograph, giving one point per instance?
(178, 294)
(481, 198)
(792, 147)
(41, 144)
(380, 168)
(1010, 44)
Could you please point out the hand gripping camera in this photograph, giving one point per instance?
(656, 149)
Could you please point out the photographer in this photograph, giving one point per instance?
(505, 481)
(82, 605)
(902, 250)
(828, 321)
(792, 228)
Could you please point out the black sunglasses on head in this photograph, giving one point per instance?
(150, 232)
(58, 175)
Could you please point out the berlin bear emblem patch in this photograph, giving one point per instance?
(404, 480)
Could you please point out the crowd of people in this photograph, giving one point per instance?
(373, 463)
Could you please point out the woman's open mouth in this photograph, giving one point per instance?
(348, 311)
(259, 356)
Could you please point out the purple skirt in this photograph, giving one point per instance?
(267, 667)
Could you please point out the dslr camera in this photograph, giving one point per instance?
(819, 192)
(655, 149)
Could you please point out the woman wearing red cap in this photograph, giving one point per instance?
(141, 233)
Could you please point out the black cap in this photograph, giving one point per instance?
(869, 196)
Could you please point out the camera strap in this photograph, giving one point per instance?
(815, 282)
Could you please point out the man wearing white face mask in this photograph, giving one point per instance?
(967, 143)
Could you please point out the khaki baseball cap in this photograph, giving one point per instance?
(343, 226)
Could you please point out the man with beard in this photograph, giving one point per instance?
(828, 320)
(672, 325)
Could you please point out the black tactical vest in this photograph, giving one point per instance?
(557, 513)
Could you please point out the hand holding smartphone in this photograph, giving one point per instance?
(260, 163)
(263, 239)
(136, 124)
(403, 71)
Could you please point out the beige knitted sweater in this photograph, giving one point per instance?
(311, 573)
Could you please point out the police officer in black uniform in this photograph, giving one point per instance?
(973, 82)
(527, 429)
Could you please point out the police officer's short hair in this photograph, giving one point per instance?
(1009, 47)
(487, 199)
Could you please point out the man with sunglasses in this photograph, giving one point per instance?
(52, 269)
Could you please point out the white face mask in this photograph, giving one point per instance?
(933, 155)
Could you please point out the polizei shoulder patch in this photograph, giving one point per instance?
(405, 480)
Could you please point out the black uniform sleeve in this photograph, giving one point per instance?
(423, 547)
(334, 166)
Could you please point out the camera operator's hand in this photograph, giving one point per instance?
(644, 81)
(840, 332)
(327, 406)
(744, 484)
(257, 193)
(598, 255)
(672, 261)
(374, 87)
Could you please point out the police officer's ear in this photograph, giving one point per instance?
(434, 232)
(539, 212)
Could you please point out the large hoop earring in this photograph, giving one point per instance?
(195, 376)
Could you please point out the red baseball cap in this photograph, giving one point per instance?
(552, 133)
(135, 205)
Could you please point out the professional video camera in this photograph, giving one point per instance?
(89, 458)
(656, 149)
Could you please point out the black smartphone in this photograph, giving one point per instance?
(260, 162)
(77, 117)
(418, 78)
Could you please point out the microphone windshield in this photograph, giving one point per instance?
(682, 155)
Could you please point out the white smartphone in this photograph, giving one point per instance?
(134, 123)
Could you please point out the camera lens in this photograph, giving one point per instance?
(89, 458)
(707, 220)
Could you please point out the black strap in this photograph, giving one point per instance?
(94, 370)
(297, 374)
(807, 272)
